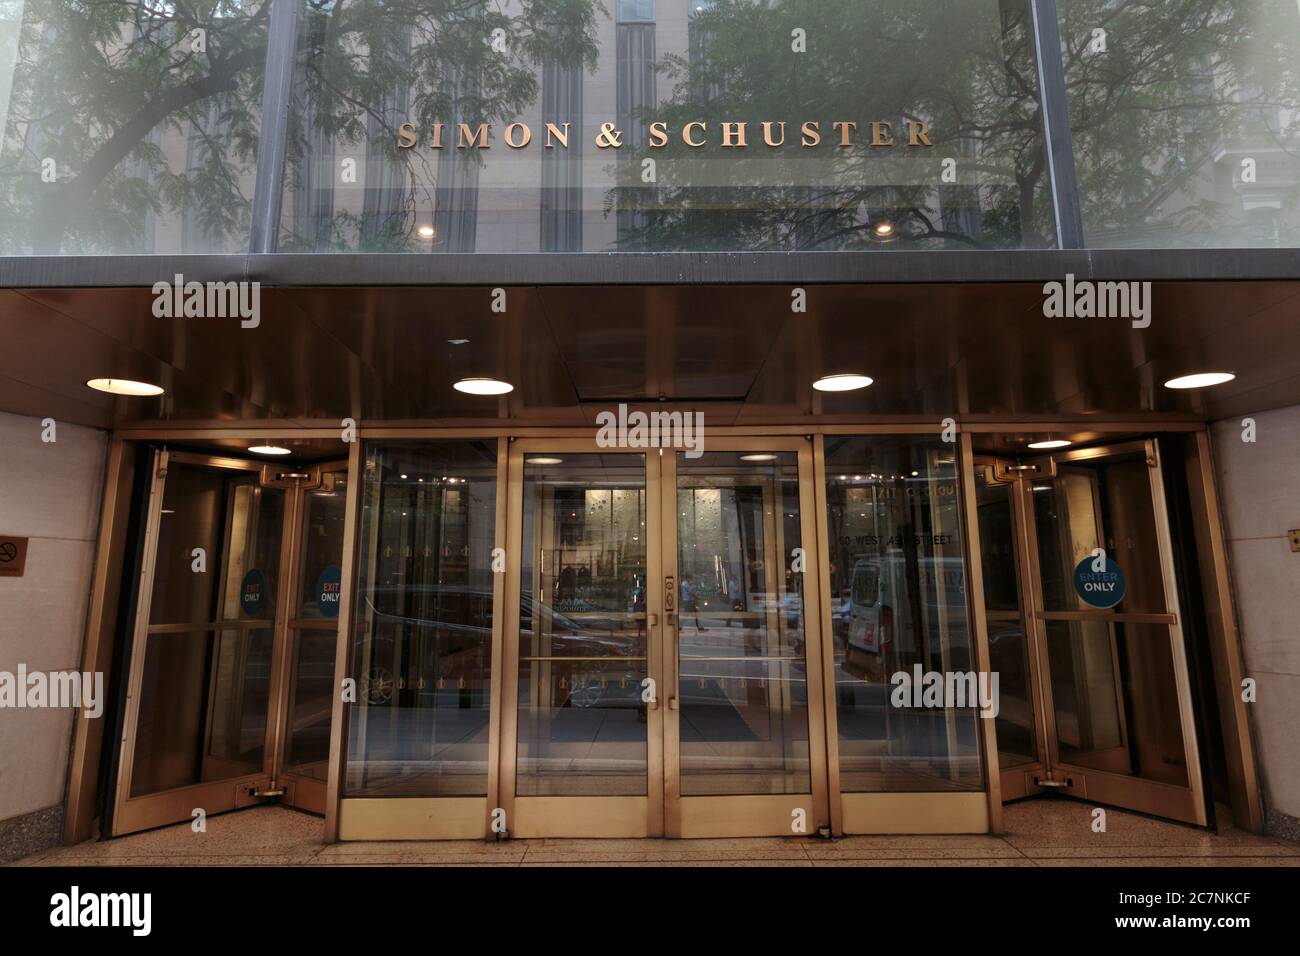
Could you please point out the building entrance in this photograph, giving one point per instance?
(231, 663)
(663, 655)
(1084, 630)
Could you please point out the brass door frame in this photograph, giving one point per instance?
(580, 816)
(1182, 803)
(126, 456)
(174, 805)
(749, 815)
(913, 812)
(301, 791)
(1017, 781)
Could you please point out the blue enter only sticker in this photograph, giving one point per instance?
(1104, 588)
(328, 590)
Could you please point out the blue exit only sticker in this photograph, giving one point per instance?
(1099, 588)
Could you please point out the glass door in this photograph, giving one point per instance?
(744, 731)
(1013, 653)
(196, 733)
(1113, 678)
(582, 739)
(232, 662)
(306, 651)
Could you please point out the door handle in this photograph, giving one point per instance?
(672, 702)
(654, 619)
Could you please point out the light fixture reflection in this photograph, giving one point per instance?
(1200, 380)
(124, 386)
(844, 382)
(1052, 443)
(483, 386)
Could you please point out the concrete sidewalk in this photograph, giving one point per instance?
(1044, 832)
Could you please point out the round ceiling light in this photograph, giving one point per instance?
(846, 382)
(269, 450)
(1200, 380)
(483, 386)
(545, 461)
(1053, 443)
(124, 386)
(763, 456)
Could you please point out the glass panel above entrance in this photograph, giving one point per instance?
(898, 604)
(422, 643)
(665, 126)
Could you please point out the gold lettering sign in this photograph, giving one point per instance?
(695, 135)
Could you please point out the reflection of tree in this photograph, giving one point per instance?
(967, 68)
(1181, 87)
(95, 82)
(1183, 84)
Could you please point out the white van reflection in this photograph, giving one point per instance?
(881, 624)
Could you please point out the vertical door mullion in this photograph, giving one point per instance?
(977, 618)
(347, 587)
(815, 611)
(498, 675)
(658, 719)
(282, 635)
(140, 637)
(1174, 632)
(1032, 585)
(668, 675)
(506, 687)
(821, 547)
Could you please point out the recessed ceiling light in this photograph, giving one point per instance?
(269, 450)
(758, 457)
(427, 232)
(1200, 380)
(1053, 443)
(124, 386)
(545, 461)
(845, 382)
(483, 386)
(403, 477)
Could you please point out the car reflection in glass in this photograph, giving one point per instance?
(438, 634)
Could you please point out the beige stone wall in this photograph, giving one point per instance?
(49, 493)
(1260, 489)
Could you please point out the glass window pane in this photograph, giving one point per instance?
(1184, 121)
(743, 678)
(1099, 504)
(183, 735)
(582, 627)
(324, 521)
(129, 128)
(379, 160)
(1116, 699)
(422, 642)
(898, 590)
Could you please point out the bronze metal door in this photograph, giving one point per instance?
(583, 690)
(228, 698)
(744, 731)
(1112, 701)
